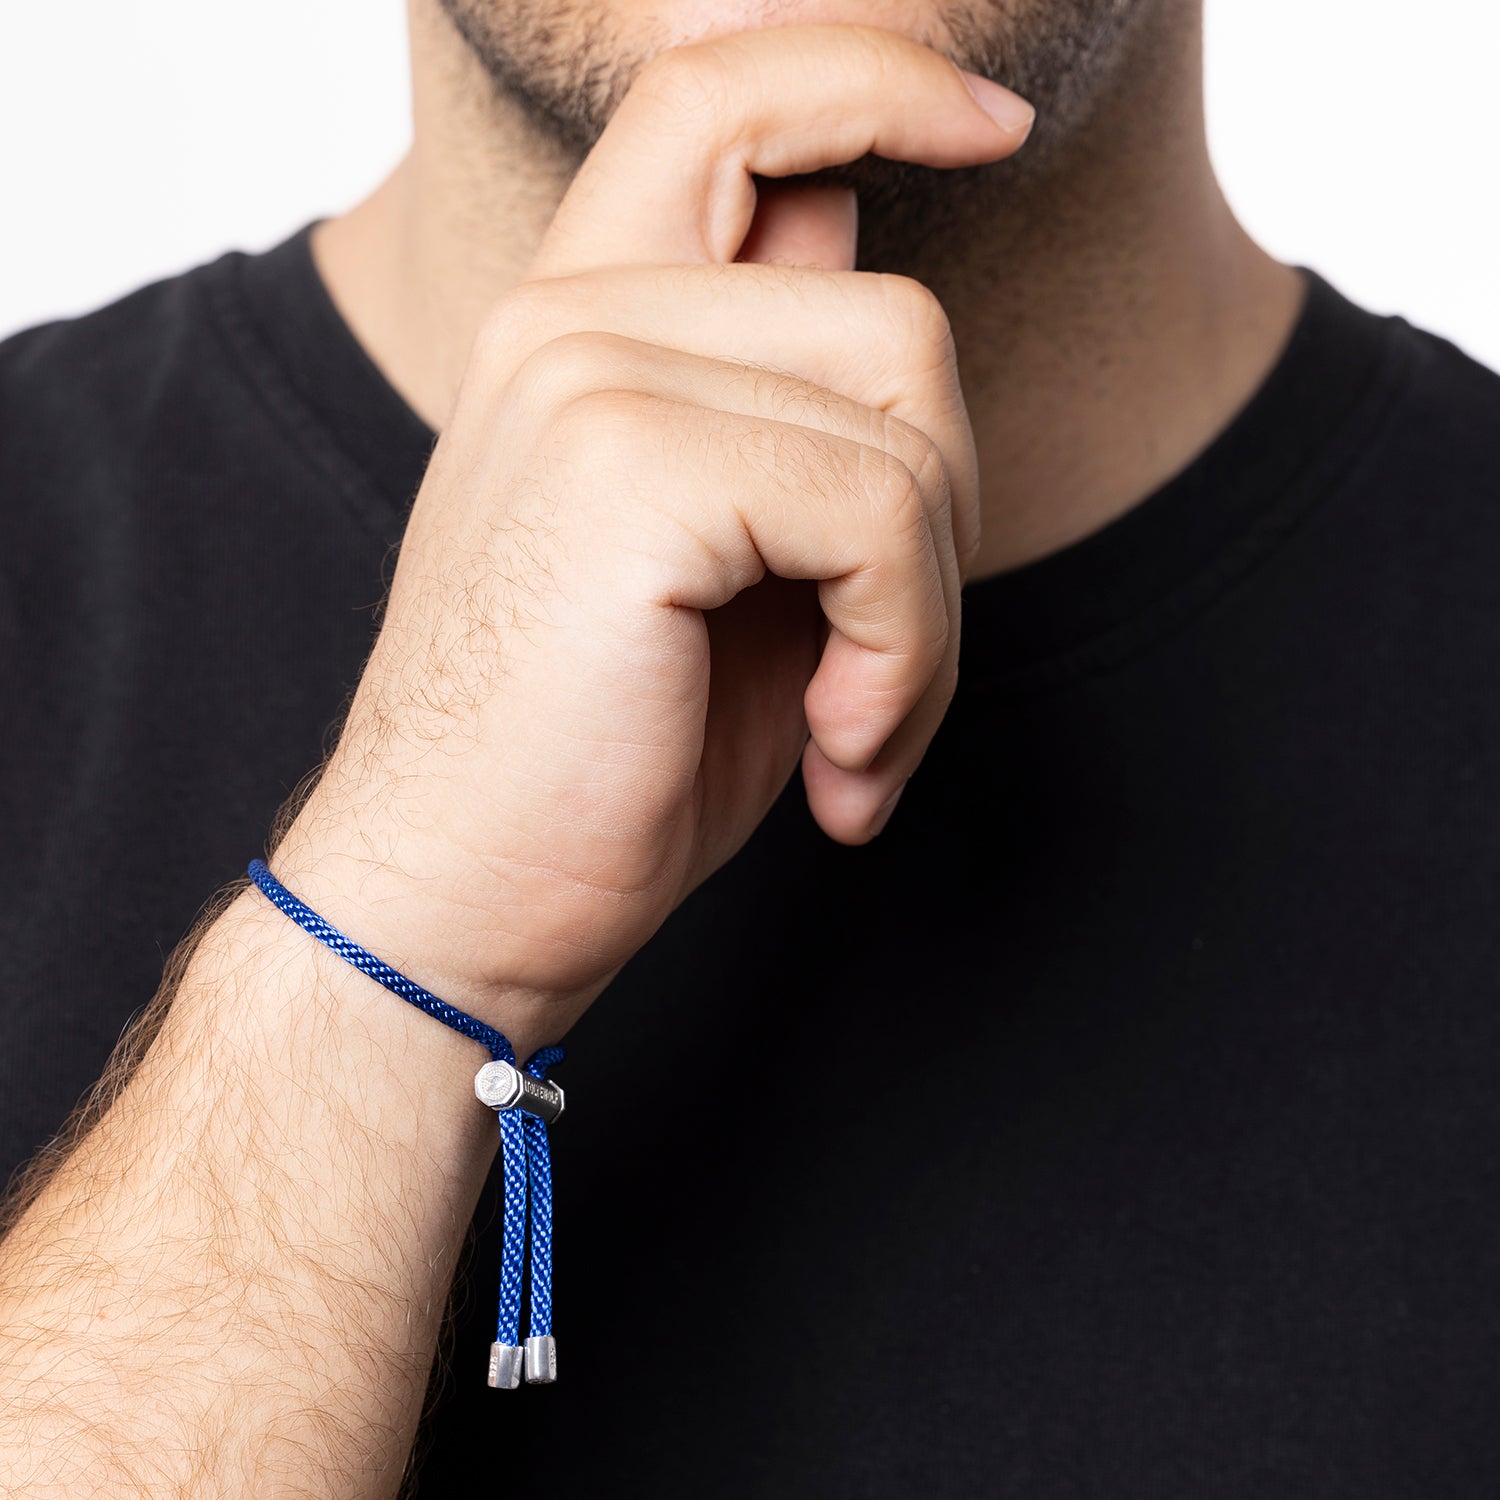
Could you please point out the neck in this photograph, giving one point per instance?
(1110, 318)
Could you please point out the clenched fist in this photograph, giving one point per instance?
(692, 519)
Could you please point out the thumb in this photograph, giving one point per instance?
(803, 224)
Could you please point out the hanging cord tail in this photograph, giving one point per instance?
(541, 1348)
(523, 1102)
(506, 1353)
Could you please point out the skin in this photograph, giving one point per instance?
(701, 510)
(1110, 314)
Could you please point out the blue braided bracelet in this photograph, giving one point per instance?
(525, 1104)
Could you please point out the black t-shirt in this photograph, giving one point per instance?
(1125, 1121)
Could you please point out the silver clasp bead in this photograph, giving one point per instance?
(502, 1085)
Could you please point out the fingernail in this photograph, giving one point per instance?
(886, 808)
(1009, 111)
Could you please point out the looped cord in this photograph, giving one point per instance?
(381, 972)
(527, 1161)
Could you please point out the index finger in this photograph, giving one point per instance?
(672, 177)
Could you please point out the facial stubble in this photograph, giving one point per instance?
(568, 65)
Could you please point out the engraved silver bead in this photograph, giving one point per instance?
(498, 1084)
(502, 1085)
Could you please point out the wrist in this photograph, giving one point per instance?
(316, 1044)
(526, 1103)
(261, 1229)
(406, 902)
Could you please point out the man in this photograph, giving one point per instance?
(1112, 1117)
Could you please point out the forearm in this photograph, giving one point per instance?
(235, 1283)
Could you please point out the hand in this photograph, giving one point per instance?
(691, 521)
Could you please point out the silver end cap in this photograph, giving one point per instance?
(541, 1360)
(505, 1367)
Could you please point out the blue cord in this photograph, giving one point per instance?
(539, 1168)
(523, 1136)
(513, 1250)
(366, 962)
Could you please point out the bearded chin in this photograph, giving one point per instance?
(916, 221)
(568, 65)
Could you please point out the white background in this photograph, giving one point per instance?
(1356, 136)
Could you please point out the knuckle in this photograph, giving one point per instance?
(606, 429)
(945, 679)
(512, 325)
(895, 495)
(921, 455)
(874, 46)
(968, 550)
(688, 85)
(906, 526)
(785, 397)
(571, 364)
(939, 633)
(532, 313)
(919, 317)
